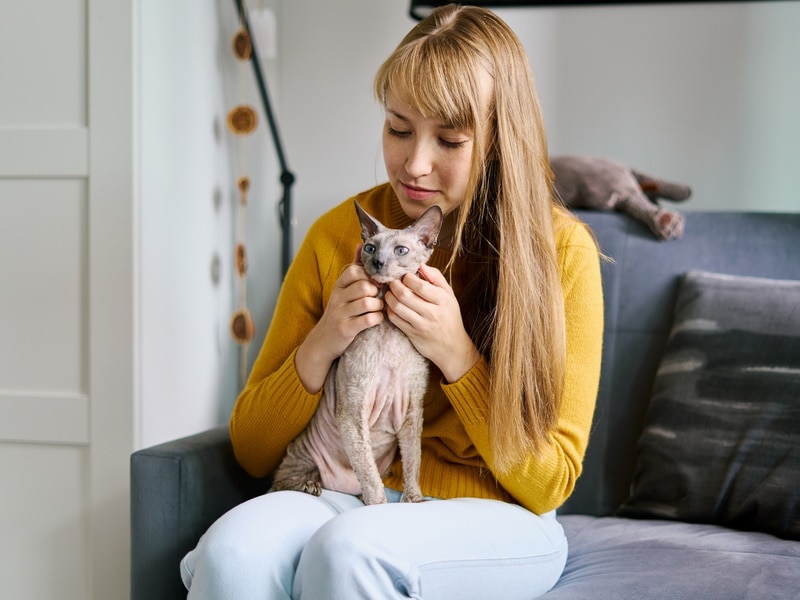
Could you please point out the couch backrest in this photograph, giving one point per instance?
(640, 287)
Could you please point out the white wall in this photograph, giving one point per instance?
(704, 94)
(707, 94)
(329, 52)
(189, 165)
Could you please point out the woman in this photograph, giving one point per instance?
(509, 312)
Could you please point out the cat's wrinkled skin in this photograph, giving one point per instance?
(372, 397)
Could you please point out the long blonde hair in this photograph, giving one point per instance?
(505, 227)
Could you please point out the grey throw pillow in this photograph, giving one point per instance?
(721, 443)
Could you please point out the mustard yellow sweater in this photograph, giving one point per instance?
(274, 407)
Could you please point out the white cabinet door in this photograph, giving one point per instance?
(67, 331)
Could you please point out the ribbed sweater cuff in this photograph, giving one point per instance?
(469, 395)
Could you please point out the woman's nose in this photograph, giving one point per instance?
(419, 161)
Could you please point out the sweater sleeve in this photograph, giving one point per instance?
(543, 482)
(274, 407)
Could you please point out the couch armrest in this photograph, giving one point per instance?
(178, 489)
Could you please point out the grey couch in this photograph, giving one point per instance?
(179, 488)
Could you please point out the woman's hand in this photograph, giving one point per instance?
(352, 307)
(427, 311)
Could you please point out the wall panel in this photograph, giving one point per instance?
(43, 290)
(43, 51)
(43, 522)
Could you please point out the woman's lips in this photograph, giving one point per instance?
(417, 193)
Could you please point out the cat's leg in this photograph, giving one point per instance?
(354, 429)
(409, 439)
(298, 471)
(658, 188)
(664, 223)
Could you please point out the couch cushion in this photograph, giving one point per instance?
(640, 287)
(611, 557)
(721, 442)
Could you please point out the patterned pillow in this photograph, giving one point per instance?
(721, 442)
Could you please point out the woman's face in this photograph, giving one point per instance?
(427, 162)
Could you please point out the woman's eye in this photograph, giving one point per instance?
(397, 133)
(401, 251)
(452, 144)
(369, 248)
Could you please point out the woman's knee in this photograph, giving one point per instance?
(337, 545)
(226, 562)
(257, 544)
(351, 557)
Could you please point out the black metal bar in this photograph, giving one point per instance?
(419, 9)
(287, 178)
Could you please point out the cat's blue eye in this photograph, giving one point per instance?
(369, 248)
(401, 251)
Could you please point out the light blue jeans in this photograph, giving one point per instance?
(293, 545)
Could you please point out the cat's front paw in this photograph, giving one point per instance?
(311, 487)
(412, 497)
(306, 486)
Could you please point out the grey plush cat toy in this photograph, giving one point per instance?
(605, 184)
(372, 397)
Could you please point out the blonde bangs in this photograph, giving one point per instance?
(430, 75)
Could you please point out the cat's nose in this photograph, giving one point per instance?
(379, 264)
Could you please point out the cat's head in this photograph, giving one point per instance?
(388, 254)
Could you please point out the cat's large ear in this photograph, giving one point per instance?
(369, 226)
(428, 225)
